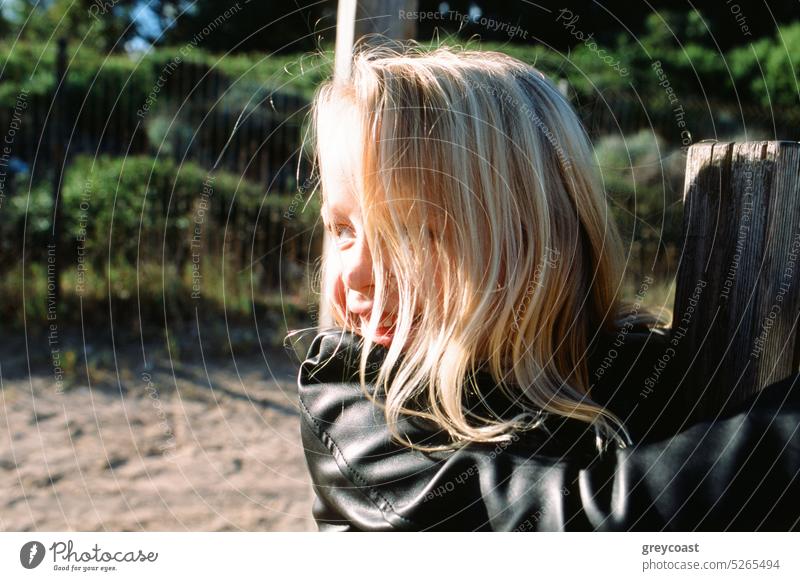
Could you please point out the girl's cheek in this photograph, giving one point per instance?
(339, 296)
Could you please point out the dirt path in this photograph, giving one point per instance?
(155, 450)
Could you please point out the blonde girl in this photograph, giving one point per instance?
(470, 229)
(480, 336)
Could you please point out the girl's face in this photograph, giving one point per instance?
(351, 261)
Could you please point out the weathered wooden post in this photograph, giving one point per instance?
(737, 301)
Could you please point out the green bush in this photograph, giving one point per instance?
(138, 226)
(643, 179)
(769, 69)
(123, 209)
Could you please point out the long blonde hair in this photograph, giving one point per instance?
(473, 166)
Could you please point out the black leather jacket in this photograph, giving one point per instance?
(740, 472)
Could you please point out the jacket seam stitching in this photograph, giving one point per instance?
(356, 477)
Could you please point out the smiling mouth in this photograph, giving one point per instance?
(383, 334)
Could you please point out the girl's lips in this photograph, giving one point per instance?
(384, 340)
(383, 334)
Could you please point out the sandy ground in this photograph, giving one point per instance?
(208, 446)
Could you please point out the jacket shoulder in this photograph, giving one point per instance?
(360, 475)
(632, 372)
(700, 479)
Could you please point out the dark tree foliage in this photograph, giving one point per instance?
(104, 25)
(608, 19)
(264, 26)
(286, 26)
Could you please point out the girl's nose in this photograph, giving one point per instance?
(357, 271)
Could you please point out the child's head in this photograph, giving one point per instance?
(469, 228)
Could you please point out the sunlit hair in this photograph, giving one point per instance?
(480, 202)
